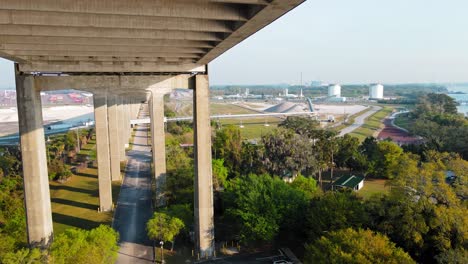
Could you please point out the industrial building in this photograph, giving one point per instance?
(376, 91)
(334, 90)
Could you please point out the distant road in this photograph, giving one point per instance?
(134, 204)
(359, 121)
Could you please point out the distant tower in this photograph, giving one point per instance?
(376, 91)
(301, 95)
(286, 92)
(334, 90)
(246, 92)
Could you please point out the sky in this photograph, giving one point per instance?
(343, 41)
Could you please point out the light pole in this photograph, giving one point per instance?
(162, 251)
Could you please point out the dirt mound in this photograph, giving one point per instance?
(281, 108)
(296, 108)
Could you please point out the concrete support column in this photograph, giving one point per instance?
(204, 222)
(114, 147)
(158, 138)
(127, 128)
(121, 121)
(103, 152)
(33, 153)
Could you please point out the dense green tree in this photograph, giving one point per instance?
(252, 157)
(183, 212)
(436, 104)
(287, 153)
(98, 245)
(333, 211)
(348, 151)
(453, 256)
(164, 227)
(306, 185)
(325, 148)
(24, 256)
(437, 121)
(385, 160)
(262, 206)
(227, 145)
(58, 170)
(422, 214)
(359, 247)
(220, 173)
(180, 174)
(302, 125)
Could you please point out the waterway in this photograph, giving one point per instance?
(462, 108)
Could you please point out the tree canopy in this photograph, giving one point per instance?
(163, 227)
(355, 246)
(98, 245)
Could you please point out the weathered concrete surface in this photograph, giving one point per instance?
(33, 152)
(152, 36)
(114, 147)
(204, 222)
(159, 144)
(121, 121)
(103, 152)
(134, 203)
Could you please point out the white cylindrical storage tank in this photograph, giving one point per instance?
(376, 91)
(334, 90)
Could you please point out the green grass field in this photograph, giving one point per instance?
(372, 124)
(228, 109)
(254, 127)
(373, 187)
(75, 203)
(404, 121)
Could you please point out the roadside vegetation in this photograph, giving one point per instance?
(74, 197)
(276, 193)
(372, 124)
(350, 120)
(404, 121)
(435, 118)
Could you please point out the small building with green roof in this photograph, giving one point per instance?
(349, 181)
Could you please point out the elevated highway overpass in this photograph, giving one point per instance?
(124, 52)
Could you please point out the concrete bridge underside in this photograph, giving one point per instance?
(124, 52)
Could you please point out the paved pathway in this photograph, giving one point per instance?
(134, 203)
(359, 121)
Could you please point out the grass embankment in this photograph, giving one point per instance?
(372, 124)
(229, 109)
(75, 203)
(350, 120)
(253, 127)
(404, 121)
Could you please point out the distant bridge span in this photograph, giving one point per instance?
(189, 118)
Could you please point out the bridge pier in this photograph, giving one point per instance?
(33, 153)
(158, 144)
(114, 147)
(204, 214)
(127, 123)
(121, 128)
(103, 151)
